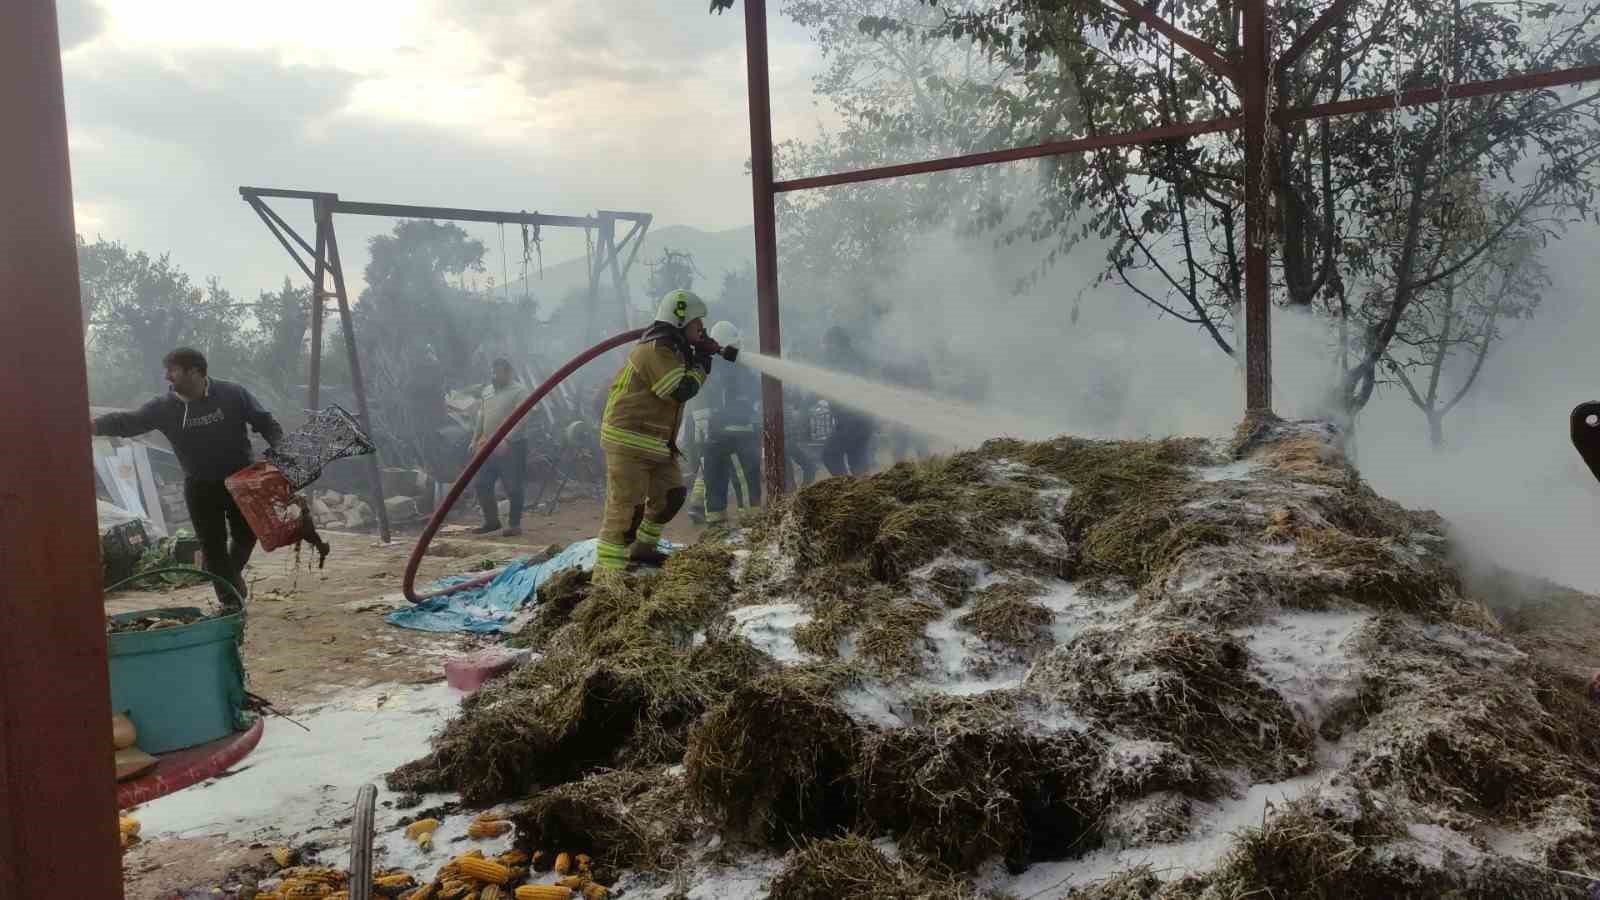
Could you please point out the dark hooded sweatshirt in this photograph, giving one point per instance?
(207, 434)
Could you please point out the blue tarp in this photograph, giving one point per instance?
(490, 607)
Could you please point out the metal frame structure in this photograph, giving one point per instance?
(57, 789)
(326, 263)
(1250, 71)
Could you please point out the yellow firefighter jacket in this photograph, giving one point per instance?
(645, 405)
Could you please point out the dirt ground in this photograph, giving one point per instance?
(311, 635)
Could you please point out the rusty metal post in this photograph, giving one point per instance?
(1257, 290)
(766, 228)
(319, 276)
(357, 383)
(57, 789)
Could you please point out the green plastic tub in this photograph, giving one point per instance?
(181, 686)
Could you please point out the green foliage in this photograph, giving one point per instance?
(137, 308)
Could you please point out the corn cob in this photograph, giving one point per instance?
(426, 892)
(296, 887)
(594, 891)
(492, 828)
(283, 856)
(543, 892)
(128, 825)
(484, 870)
(396, 881)
(493, 892)
(563, 863)
(575, 882)
(338, 895)
(582, 859)
(489, 815)
(425, 841)
(518, 874)
(474, 853)
(321, 874)
(421, 827)
(514, 858)
(455, 888)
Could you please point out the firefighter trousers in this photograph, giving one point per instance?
(631, 482)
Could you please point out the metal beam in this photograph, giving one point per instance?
(249, 192)
(357, 382)
(315, 309)
(402, 211)
(1197, 48)
(989, 157)
(1329, 18)
(762, 189)
(261, 211)
(304, 244)
(1423, 96)
(1257, 195)
(57, 792)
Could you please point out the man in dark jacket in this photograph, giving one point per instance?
(733, 433)
(849, 447)
(204, 420)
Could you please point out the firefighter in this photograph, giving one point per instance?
(848, 450)
(644, 487)
(731, 433)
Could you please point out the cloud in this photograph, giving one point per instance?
(78, 21)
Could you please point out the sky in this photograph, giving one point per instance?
(559, 106)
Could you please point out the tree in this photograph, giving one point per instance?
(1172, 213)
(139, 308)
(673, 271)
(1453, 332)
(282, 319)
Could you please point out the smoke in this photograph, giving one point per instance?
(1508, 481)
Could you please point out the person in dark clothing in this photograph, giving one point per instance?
(732, 432)
(848, 450)
(204, 420)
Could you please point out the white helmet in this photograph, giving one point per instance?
(679, 308)
(725, 333)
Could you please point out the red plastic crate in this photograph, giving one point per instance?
(269, 504)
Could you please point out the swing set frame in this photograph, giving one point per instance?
(325, 263)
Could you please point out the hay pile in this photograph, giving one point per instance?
(1042, 669)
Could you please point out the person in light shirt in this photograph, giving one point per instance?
(509, 462)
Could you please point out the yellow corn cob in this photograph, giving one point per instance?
(514, 858)
(295, 887)
(489, 815)
(593, 891)
(425, 892)
(425, 841)
(563, 863)
(575, 882)
(492, 828)
(128, 825)
(338, 895)
(493, 892)
(518, 873)
(283, 856)
(421, 827)
(484, 870)
(543, 892)
(455, 888)
(396, 881)
(582, 859)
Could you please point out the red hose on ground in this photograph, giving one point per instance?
(560, 375)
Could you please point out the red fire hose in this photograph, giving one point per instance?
(472, 468)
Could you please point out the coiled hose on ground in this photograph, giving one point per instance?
(408, 587)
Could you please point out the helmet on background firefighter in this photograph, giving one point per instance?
(679, 308)
(726, 334)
